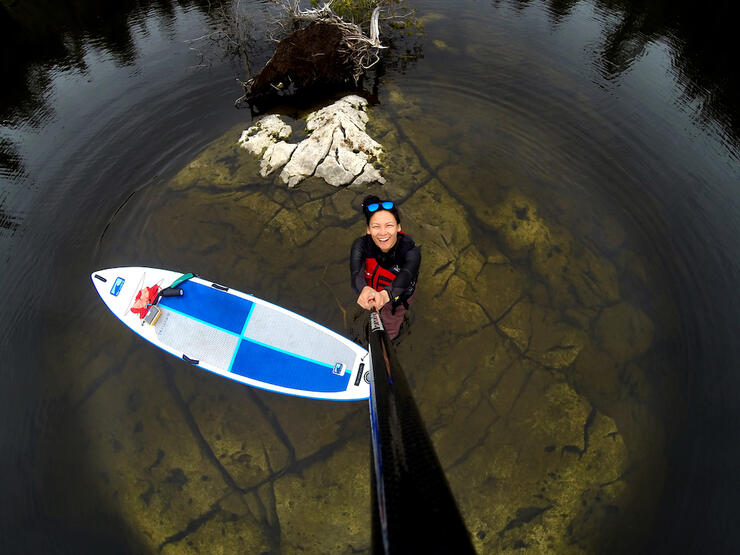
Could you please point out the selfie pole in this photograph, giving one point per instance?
(413, 508)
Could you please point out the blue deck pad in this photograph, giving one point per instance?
(209, 305)
(271, 366)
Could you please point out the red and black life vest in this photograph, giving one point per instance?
(376, 276)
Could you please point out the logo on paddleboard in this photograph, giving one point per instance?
(116, 289)
(338, 369)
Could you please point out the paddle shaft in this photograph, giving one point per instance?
(413, 508)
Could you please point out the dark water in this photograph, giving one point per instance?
(621, 112)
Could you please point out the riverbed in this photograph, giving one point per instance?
(569, 171)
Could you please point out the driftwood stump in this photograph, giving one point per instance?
(317, 54)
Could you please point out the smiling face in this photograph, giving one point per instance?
(383, 229)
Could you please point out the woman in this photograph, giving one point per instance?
(384, 264)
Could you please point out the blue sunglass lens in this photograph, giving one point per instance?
(387, 205)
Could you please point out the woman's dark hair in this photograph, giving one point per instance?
(370, 199)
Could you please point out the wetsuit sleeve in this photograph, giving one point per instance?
(407, 276)
(357, 256)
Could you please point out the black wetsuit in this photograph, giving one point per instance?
(402, 261)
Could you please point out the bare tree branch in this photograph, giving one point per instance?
(358, 45)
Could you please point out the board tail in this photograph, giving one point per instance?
(414, 510)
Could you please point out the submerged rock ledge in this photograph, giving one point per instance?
(337, 149)
(528, 362)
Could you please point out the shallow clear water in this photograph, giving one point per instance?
(593, 123)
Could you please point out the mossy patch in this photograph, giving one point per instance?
(325, 507)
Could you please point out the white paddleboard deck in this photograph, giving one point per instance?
(240, 336)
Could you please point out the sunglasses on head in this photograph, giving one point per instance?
(374, 206)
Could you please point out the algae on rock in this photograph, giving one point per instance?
(568, 268)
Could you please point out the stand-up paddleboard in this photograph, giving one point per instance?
(239, 336)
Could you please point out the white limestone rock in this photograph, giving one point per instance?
(337, 149)
(276, 156)
(267, 131)
(368, 175)
(309, 154)
(353, 162)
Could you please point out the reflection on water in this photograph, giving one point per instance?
(47, 35)
(578, 276)
(7, 221)
(701, 42)
(11, 165)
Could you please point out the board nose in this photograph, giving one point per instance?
(99, 279)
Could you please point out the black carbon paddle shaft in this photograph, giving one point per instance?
(414, 510)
